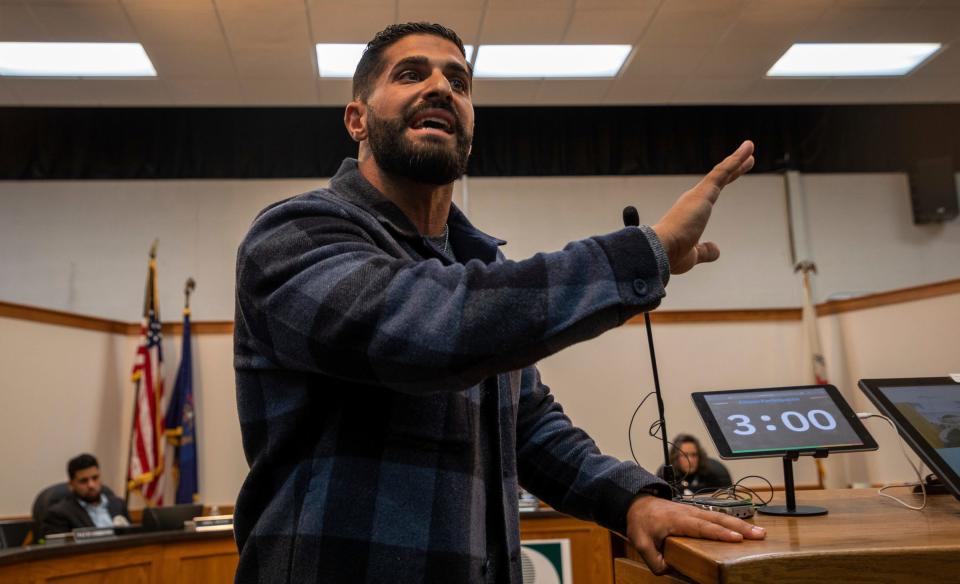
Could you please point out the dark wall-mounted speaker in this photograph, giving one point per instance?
(933, 190)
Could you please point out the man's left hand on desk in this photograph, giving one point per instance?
(651, 519)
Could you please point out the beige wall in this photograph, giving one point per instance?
(67, 390)
(81, 246)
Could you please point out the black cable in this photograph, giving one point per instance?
(653, 431)
(630, 427)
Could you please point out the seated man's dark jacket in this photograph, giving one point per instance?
(364, 359)
(67, 514)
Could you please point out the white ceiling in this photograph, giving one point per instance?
(260, 52)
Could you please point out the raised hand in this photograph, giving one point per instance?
(680, 228)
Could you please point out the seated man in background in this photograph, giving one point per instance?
(89, 505)
(694, 469)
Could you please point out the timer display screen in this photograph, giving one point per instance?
(778, 420)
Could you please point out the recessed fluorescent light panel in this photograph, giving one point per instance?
(536, 61)
(851, 59)
(75, 60)
(340, 60)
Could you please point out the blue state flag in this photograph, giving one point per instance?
(181, 424)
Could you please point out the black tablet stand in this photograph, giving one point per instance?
(791, 508)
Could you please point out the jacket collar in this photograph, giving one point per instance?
(351, 186)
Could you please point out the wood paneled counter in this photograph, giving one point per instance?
(172, 556)
(863, 538)
(211, 557)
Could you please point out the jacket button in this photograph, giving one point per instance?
(640, 287)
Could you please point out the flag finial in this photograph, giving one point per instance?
(188, 288)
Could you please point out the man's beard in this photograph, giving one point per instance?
(91, 498)
(429, 161)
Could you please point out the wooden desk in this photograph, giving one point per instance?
(590, 548)
(177, 556)
(211, 558)
(863, 538)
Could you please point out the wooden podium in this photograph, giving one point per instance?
(863, 538)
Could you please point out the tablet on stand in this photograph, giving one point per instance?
(786, 422)
(926, 412)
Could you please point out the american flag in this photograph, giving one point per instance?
(145, 466)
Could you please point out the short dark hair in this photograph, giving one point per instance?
(78, 463)
(371, 63)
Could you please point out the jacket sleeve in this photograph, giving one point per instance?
(54, 521)
(317, 292)
(561, 464)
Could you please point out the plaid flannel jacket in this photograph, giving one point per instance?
(360, 356)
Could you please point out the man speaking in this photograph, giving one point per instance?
(385, 354)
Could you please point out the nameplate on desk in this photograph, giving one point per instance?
(85, 533)
(213, 523)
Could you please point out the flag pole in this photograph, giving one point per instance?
(136, 379)
(189, 286)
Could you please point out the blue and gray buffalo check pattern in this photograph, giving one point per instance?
(364, 358)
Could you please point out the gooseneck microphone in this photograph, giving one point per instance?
(631, 218)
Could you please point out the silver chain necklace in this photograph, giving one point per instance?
(446, 236)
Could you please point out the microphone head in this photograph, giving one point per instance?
(631, 218)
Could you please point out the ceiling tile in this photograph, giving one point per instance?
(915, 89)
(650, 60)
(698, 89)
(572, 91)
(195, 3)
(253, 23)
(438, 4)
(7, 95)
(517, 26)
(607, 26)
(855, 90)
(68, 92)
(188, 61)
(198, 92)
(946, 63)
(953, 92)
(616, 4)
(554, 5)
(687, 28)
(735, 61)
(505, 91)
(643, 90)
(464, 21)
(878, 3)
(341, 22)
(286, 92)
(771, 91)
(162, 23)
(78, 92)
(840, 25)
(122, 92)
(770, 26)
(335, 92)
(18, 24)
(84, 22)
(274, 62)
(727, 6)
(784, 6)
